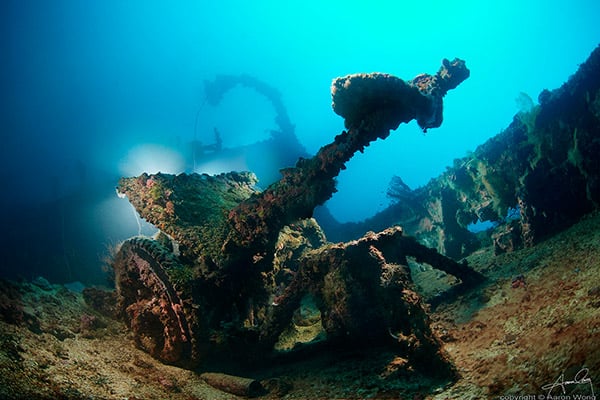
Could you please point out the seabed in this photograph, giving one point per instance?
(505, 339)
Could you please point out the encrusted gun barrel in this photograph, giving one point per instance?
(372, 105)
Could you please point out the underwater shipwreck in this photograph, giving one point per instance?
(240, 277)
(243, 283)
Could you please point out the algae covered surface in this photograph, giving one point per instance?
(504, 339)
(534, 325)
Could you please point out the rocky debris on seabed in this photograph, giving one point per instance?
(55, 346)
(503, 341)
(519, 342)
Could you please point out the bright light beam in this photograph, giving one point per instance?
(151, 158)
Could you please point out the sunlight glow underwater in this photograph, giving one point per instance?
(152, 158)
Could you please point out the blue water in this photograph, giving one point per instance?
(93, 90)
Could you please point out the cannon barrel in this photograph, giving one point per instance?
(372, 105)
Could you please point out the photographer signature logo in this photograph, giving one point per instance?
(560, 385)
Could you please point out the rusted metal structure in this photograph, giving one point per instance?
(235, 267)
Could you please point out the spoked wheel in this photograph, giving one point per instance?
(161, 321)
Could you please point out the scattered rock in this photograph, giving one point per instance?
(42, 283)
(594, 292)
(277, 387)
(103, 301)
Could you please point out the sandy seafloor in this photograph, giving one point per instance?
(505, 341)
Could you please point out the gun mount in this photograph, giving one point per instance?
(234, 267)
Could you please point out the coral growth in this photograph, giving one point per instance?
(361, 98)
